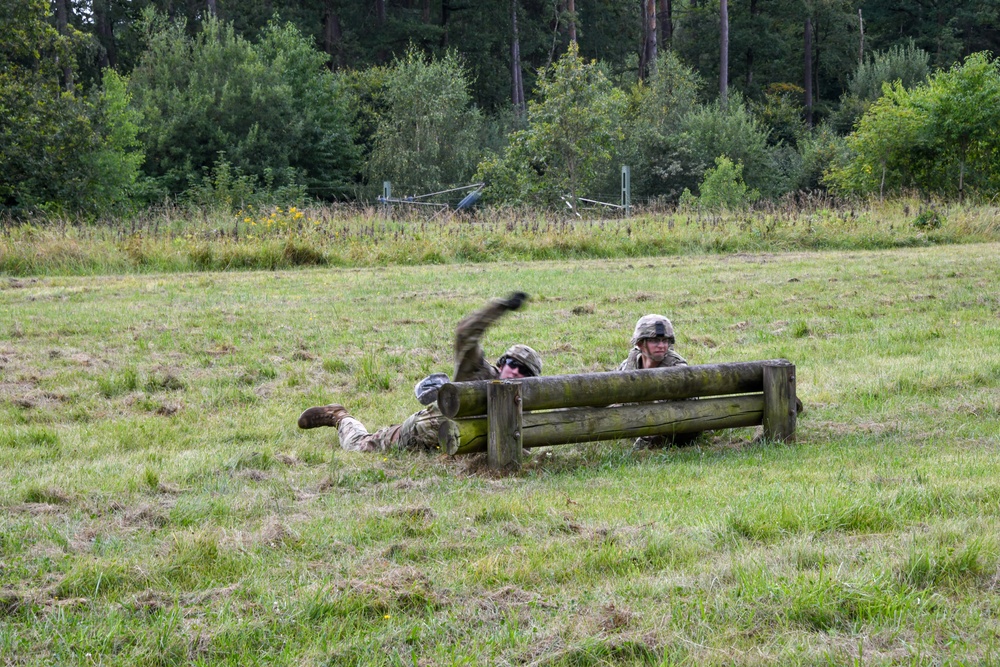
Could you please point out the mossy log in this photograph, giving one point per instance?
(467, 399)
(587, 424)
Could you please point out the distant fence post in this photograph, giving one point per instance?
(627, 189)
(503, 406)
(386, 196)
(779, 401)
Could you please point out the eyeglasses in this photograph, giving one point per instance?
(658, 339)
(518, 366)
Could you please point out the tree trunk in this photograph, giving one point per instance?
(213, 11)
(724, 52)
(380, 13)
(861, 39)
(571, 8)
(817, 43)
(650, 28)
(666, 23)
(108, 56)
(445, 17)
(333, 37)
(425, 15)
(754, 13)
(516, 80)
(62, 25)
(808, 74)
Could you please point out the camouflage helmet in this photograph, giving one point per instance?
(652, 326)
(525, 355)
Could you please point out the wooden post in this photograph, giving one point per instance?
(779, 401)
(503, 410)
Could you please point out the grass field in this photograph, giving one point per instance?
(159, 505)
(171, 240)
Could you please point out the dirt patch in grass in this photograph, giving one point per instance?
(398, 589)
(37, 509)
(146, 516)
(149, 602)
(277, 535)
(210, 595)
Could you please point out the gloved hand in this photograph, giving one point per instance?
(514, 300)
(426, 390)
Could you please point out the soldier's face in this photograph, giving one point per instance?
(654, 348)
(512, 369)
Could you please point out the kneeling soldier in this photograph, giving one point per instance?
(420, 430)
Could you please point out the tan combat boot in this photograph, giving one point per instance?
(323, 415)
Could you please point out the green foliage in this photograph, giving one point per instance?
(572, 128)
(59, 150)
(427, 136)
(929, 218)
(657, 108)
(723, 187)
(781, 111)
(217, 105)
(939, 136)
(709, 131)
(906, 64)
(118, 157)
(819, 151)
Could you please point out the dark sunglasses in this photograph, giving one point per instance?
(518, 366)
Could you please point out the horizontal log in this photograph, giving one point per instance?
(589, 424)
(468, 399)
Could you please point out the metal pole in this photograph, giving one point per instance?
(386, 196)
(627, 189)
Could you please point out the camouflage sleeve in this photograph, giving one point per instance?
(631, 362)
(470, 360)
(674, 359)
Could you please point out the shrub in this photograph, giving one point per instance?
(265, 115)
(929, 218)
(428, 135)
(723, 187)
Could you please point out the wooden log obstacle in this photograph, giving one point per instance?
(501, 417)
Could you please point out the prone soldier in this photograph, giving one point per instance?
(420, 430)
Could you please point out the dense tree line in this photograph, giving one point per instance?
(105, 103)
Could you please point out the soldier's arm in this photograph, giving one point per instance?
(470, 360)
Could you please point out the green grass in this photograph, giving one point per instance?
(159, 506)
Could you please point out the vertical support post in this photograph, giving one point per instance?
(386, 196)
(779, 401)
(503, 412)
(627, 189)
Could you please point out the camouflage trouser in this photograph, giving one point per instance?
(419, 432)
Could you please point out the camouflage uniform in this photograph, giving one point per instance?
(633, 361)
(420, 430)
(646, 328)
